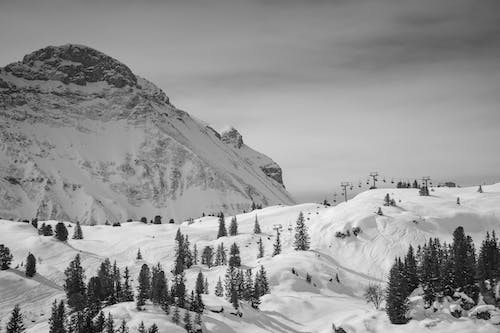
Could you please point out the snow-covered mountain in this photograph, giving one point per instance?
(293, 304)
(83, 138)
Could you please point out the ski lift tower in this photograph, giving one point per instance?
(278, 228)
(374, 176)
(425, 180)
(344, 186)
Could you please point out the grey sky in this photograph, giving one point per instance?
(329, 89)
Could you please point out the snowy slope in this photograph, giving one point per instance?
(293, 305)
(83, 138)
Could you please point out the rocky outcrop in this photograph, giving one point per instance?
(83, 138)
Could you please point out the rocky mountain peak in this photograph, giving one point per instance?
(232, 137)
(72, 63)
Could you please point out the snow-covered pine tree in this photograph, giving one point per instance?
(233, 227)
(231, 286)
(222, 226)
(153, 328)
(176, 317)
(77, 233)
(100, 322)
(61, 232)
(179, 290)
(142, 328)
(301, 242)
(234, 256)
(195, 255)
(277, 245)
(219, 289)
(188, 256)
(248, 285)
(256, 226)
(127, 293)
(207, 256)
(109, 327)
(30, 265)
(5, 257)
(158, 284)
(397, 295)
(57, 320)
(188, 326)
(199, 286)
(205, 287)
(94, 295)
(410, 270)
(74, 285)
(144, 287)
(260, 252)
(261, 281)
(105, 274)
(139, 255)
(123, 327)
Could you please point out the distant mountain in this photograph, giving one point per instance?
(83, 138)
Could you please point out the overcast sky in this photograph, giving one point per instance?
(331, 90)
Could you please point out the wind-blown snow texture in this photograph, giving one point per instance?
(83, 138)
(293, 305)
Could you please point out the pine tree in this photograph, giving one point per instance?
(231, 286)
(109, 327)
(74, 285)
(462, 253)
(480, 189)
(219, 289)
(158, 285)
(256, 226)
(176, 315)
(141, 328)
(379, 211)
(123, 327)
(15, 324)
(61, 232)
(127, 293)
(100, 323)
(397, 297)
(197, 320)
(144, 288)
(187, 321)
(105, 274)
(233, 227)
(261, 283)
(118, 292)
(5, 257)
(222, 226)
(220, 256)
(94, 295)
(260, 254)
(207, 256)
(234, 256)
(410, 270)
(195, 255)
(205, 286)
(57, 318)
(188, 256)
(179, 289)
(277, 244)
(153, 329)
(248, 286)
(301, 242)
(139, 255)
(180, 255)
(199, 287)
(30, 265)
(77, 233)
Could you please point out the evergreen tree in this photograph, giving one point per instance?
(205, 286)
(207, 256)
(176, 315)
(200, 284)
(153, 329)
(219, 289)
(105, 274)
(256, 226)
(180, 255)
(260, 254)
(158, 285)
(61, 232)
(234, 256)
(197, 320)
(100, 323)
(30, 265)
(222, 226)
(195, 255)
(127, 293)
(74, 285)
(261, 283)
(480, 189)
(109, 327)
(77, 233)
(16, 324)
(141, 328)
(88, 325)
(139, 255)
(179, 289)
(277, 244)
(301, 242)
(462, 253)
(410, 270)
(248, 286)
(231, 286)
(187, 321)
(118, 292)
(123, 327)
(144, 287)
(188, 256)
(220, 255)
(397, 295)
(5, 257)
(57, 318)
(233, 227)
(94, 295)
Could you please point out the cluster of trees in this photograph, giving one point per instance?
(5, 257)
(441, 270)
(241, 285)
(61, 232)
(401, 184)
(388, 201)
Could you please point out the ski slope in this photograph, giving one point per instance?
(293, 305)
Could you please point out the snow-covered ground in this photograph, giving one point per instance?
(293, 305)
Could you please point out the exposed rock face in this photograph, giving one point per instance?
(83, 138)
(234, 139)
